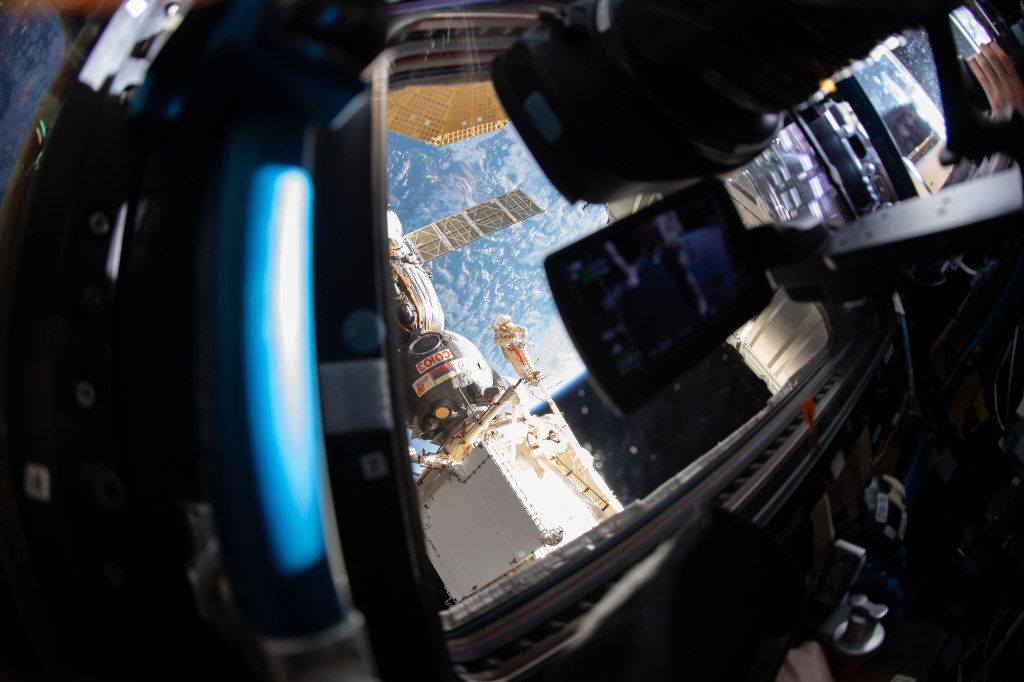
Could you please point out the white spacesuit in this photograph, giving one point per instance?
(511, 338)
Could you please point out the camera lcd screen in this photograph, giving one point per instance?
(649, 295)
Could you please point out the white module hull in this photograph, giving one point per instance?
(522, 490)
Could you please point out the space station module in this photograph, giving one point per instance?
(505, 488)
(418, 308)
(521, 490)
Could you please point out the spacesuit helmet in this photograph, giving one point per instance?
(500, 321)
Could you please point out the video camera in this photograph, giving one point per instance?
(616, 95)
(605, 93)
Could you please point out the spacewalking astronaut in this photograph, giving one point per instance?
(511, 338)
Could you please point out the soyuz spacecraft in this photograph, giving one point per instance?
(504, 487)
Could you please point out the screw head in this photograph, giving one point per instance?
(99, 224)
(109, 492)
(128, 95)
(85, 395)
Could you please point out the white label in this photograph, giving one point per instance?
(882, 508)
(838, 462)
(897, 304)
(422, 385)
(37, 482)
(374, 466)
(603, 16)
(427, 382)
(945, 463)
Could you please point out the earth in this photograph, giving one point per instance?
(31, 51)
(503, 272)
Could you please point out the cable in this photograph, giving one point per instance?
(901, 315)
(995, 389)
(999, 648)
(981, 382)
(1009, 294)
(917, 280)
(1009, 379)
(1003, 610)
(1010, 353)
(964, 656)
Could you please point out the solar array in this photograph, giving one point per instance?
(443, 114)
(459, 229)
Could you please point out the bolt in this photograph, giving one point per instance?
(128, 95)
(99, 224)
(85, 395)
(103, 487)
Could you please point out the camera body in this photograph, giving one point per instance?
(617, 96)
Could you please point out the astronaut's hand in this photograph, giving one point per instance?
(805, 663)
(999, 79)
